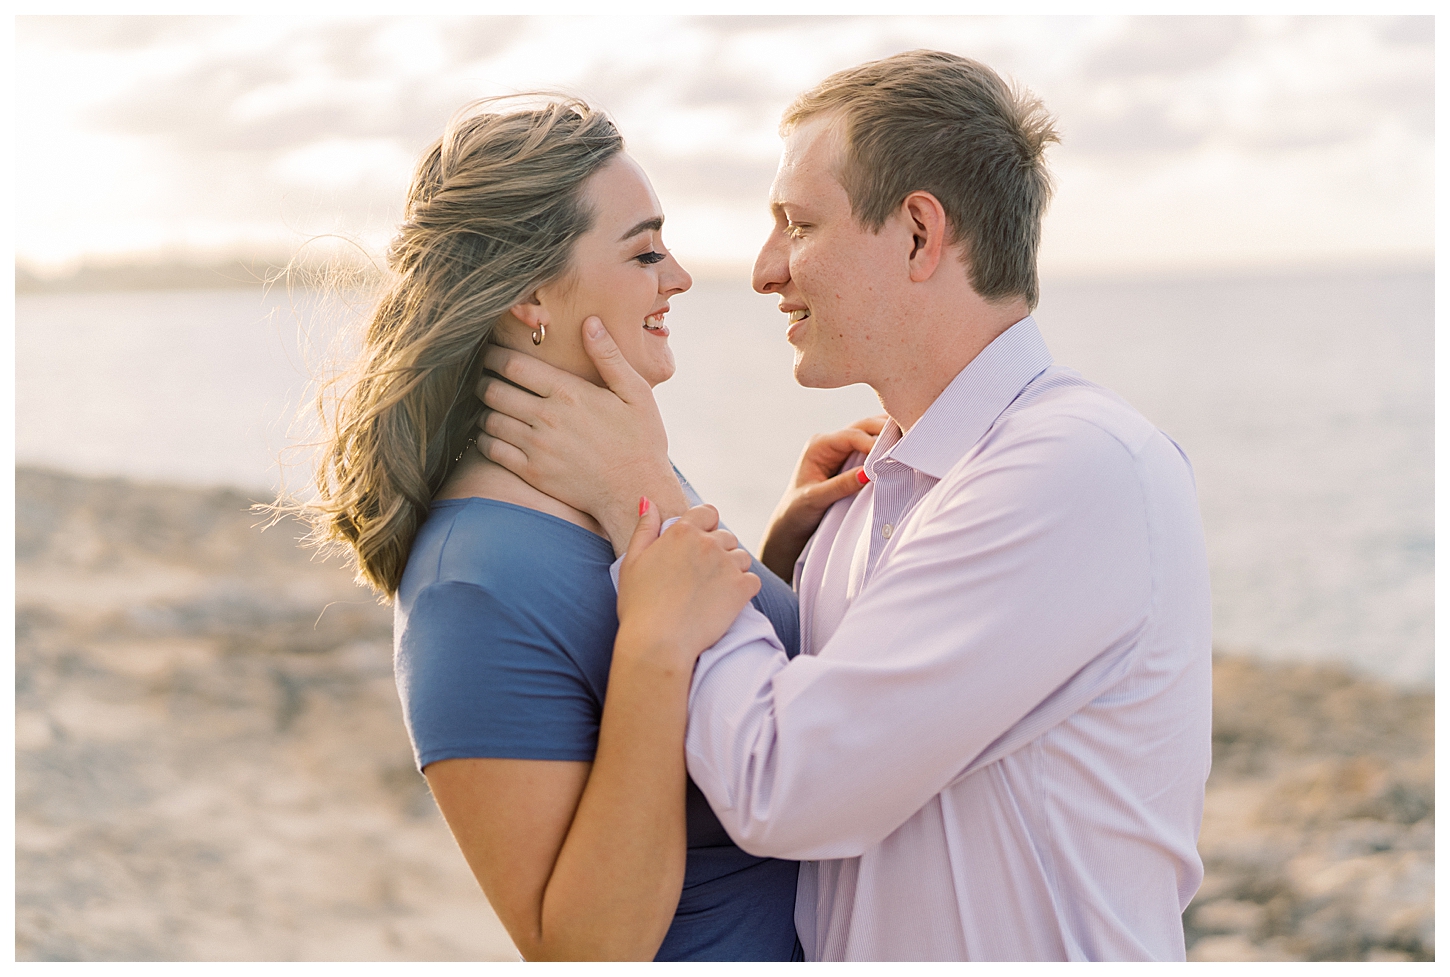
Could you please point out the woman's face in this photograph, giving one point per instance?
(621, 273)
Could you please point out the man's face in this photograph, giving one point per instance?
(836, 280)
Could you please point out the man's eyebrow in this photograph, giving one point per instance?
(653, 224)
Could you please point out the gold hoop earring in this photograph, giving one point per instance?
(539, 333)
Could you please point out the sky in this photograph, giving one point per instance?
(1188, 143)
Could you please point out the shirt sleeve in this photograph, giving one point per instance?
(1013, 597)
(775, 599)
(477, 680)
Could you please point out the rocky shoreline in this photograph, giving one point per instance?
(211, 765)
(1319, 821)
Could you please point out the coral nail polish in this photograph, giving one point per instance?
(861, 477)
(643, 505)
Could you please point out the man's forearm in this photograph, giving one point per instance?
(932, 664)
(620, 517)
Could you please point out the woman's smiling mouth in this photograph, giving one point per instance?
(655, 322)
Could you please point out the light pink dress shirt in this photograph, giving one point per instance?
(994, 743)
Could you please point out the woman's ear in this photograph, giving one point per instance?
(530, 312)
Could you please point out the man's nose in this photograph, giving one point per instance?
(772, 267)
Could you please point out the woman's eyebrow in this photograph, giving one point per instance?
(653, 224)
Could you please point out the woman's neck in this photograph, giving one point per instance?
(475, 477)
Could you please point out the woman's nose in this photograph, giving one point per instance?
(677, 280)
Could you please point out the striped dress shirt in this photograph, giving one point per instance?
(994, 743)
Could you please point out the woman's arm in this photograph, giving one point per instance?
(581, 861)
(818, 483)
(586, 862)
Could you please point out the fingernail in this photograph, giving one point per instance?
(643, 505)
(861, 477)
(594, 327)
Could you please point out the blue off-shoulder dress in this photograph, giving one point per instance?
(503, 632)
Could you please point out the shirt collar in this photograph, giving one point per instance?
(969, 405)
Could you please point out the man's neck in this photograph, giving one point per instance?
(944, 346)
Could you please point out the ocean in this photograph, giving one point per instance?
(1306, 403)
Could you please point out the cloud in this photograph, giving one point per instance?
(1164, 46)
(311, 86)
(1133, 129)
(714, 178)
(196, 107)
(754, 24)
(1164, 86)
(1416, 32)
(107, 33)
(470, 39)
(312, 124)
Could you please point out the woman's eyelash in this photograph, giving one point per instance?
(649, 257)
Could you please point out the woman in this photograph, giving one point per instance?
(552, 745)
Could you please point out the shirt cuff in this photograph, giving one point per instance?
(614, 567)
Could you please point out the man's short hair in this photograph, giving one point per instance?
(928, 120)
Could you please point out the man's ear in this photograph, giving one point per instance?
(927, 220)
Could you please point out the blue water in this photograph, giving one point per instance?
(1305, 402)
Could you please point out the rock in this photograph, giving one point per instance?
(1234, 949)
(1229, 916)
(208, 765)
(1319, 811)
(211, 764)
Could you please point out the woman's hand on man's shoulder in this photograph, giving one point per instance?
(680, 590)
(818, 483)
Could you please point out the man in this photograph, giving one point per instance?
(994, 743)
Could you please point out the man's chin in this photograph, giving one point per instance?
(808, 374)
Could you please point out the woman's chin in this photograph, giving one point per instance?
(658, 370)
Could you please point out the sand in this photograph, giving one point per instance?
(211, 765)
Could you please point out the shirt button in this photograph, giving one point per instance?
(886, 531)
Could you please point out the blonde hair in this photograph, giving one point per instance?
(493, 211)
(933, 121)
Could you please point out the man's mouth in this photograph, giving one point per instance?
(798, 315)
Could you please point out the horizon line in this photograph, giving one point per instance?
(151, 274)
